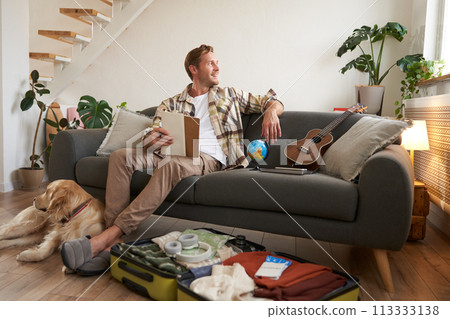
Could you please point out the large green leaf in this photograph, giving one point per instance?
(26, 103)
(405, 62)
(34, 76)
(94, 114)
(362, 63)
(358, 36)
(51, 123)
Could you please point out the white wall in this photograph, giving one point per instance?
(17, 127)
(287, 45)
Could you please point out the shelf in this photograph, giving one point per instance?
(435, 80)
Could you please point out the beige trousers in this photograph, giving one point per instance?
(166, 173)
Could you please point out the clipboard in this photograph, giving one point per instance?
(185, 132)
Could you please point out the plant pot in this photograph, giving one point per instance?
(371, 96)
(31, 178)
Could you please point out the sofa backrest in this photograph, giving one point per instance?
(294, 126)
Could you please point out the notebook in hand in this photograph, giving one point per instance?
(185, 132)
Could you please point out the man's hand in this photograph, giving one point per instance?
(271, 128)
(157, 138)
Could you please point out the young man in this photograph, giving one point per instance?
(221, 145)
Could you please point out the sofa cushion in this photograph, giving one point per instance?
(346, 157)
(92, 171)
(125, 131)
(316, 195)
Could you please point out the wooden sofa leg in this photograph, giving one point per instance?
(384, 269)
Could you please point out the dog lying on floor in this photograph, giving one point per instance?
(64, 212)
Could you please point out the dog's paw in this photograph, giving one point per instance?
(27, 256)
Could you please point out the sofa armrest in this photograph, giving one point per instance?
(386, 194)
(68, 147)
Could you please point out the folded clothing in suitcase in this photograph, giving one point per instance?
(301, 280)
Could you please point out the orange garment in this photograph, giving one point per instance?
(309, 289)
(295, 273)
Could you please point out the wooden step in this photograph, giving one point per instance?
(108, 2)
(85, 15)
(65, 36)
(49, 57)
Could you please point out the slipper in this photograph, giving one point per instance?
(76, 252)
(96, 266)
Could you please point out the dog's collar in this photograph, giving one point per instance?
(76, 211)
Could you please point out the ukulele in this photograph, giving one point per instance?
(306, 152)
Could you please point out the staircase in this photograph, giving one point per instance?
(85, 48)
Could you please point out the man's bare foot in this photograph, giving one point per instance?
(106, 240)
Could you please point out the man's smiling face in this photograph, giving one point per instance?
(207, 71)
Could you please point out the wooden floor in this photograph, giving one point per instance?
(421, 270)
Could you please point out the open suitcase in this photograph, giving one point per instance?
(152, 282)
(160, 285)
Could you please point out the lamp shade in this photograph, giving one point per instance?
(416, 137)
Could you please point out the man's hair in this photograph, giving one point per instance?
(194, 57)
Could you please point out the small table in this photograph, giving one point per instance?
(421, 209)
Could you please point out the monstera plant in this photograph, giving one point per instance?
(93, 113)
(371, 58)
(370, 61)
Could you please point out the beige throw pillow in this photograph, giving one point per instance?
(346, 157)
(126, 125)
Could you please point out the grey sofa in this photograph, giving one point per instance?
(374, 212)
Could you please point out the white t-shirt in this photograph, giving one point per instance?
(207, 138)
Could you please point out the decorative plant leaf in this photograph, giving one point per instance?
(63, 122)
(395, 30)
(41, 105)
(362, 63)
(358, 36)
(43, 91)
(26, 103)
(30, 94)
(93, 114)
(34, 76)
(51, 123)
(39, 85)
(405, 62)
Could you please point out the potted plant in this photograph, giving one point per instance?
(370, 61)
(32, 176)
(414, 73)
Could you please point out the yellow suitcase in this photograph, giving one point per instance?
(143, 279)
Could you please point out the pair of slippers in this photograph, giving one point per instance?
(77, 256)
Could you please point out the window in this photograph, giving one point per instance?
(437, 32)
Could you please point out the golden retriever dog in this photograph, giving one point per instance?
(64, 212)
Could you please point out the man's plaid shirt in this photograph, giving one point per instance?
(225, 108)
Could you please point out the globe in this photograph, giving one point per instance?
(257, 150)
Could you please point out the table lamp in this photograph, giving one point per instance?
(415, 138)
